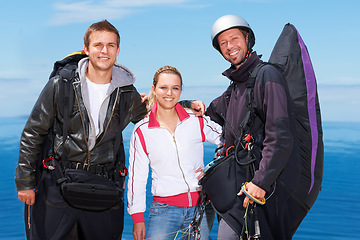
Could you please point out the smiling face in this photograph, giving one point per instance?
(233, 46)
(102, 50)
(167, 90)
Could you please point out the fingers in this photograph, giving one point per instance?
(246, 200)
(139, 231)
(200, 176)
(144, 97)
(27, 196)
(199, 108)
(201, 173)
(143, 234)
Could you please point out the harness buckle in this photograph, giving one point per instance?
(249, 142)
(124, 171)
(77, 165)
(87, 166)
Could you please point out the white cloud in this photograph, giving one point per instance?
(87, 11)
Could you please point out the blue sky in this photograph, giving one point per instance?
(155, 33)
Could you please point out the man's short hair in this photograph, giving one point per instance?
(101, 26)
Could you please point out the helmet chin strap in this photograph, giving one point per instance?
(248, 54)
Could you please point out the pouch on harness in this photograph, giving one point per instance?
(290, 55)
(80, 187)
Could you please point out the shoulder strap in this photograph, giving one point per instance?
(250, 118)
(66, 76)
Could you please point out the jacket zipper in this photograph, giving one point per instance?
(112, 113)
(86, 162)
(182, 172)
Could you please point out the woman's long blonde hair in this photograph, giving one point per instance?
(164, 69)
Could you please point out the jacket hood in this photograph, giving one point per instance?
(121, 76)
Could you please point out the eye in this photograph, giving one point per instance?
(222, 43)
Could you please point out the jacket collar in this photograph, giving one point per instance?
(242, 73)
(182, 113)
(120, 76)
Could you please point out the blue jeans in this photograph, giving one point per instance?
(170, 222)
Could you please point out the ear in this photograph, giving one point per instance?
(86, 50)
(118, 51)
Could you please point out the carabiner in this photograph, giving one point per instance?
(45, 165)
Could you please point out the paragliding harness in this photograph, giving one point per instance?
(220, 184)
(83, 186)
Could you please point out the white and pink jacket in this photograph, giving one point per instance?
(173, 159)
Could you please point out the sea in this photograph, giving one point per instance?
(335, 214)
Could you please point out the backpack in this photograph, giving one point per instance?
(291, 57)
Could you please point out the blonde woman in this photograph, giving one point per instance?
(170, 140)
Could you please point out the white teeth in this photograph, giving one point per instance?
(232, 54)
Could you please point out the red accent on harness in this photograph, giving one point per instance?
(227, 150)
(124, 172)
(46, 166)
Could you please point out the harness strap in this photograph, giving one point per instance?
(100, 169)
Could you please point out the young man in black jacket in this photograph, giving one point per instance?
(104, 103)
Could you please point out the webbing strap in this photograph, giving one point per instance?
(67, 91)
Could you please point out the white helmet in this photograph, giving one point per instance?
(230, 21)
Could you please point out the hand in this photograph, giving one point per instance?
(139, 231)
(254, 191)
(144, 98)
(27, 196)
(198, 107)
(199, 170)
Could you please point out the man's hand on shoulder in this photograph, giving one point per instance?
(198, 108)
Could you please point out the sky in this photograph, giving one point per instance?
(155, 33)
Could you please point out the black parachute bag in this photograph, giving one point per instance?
(291, 56)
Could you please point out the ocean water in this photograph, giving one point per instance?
(335, 214)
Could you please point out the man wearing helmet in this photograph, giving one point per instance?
(279, 218)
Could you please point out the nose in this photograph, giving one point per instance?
(104, 49)
(229, 45)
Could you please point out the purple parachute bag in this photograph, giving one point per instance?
(291, 56)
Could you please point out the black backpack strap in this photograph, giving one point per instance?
(249, 126)
(66, 75)
(250, 118)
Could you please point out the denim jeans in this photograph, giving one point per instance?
(170, 222)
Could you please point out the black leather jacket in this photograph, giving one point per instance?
(124, 105)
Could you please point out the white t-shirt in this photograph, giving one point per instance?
(97, 95)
